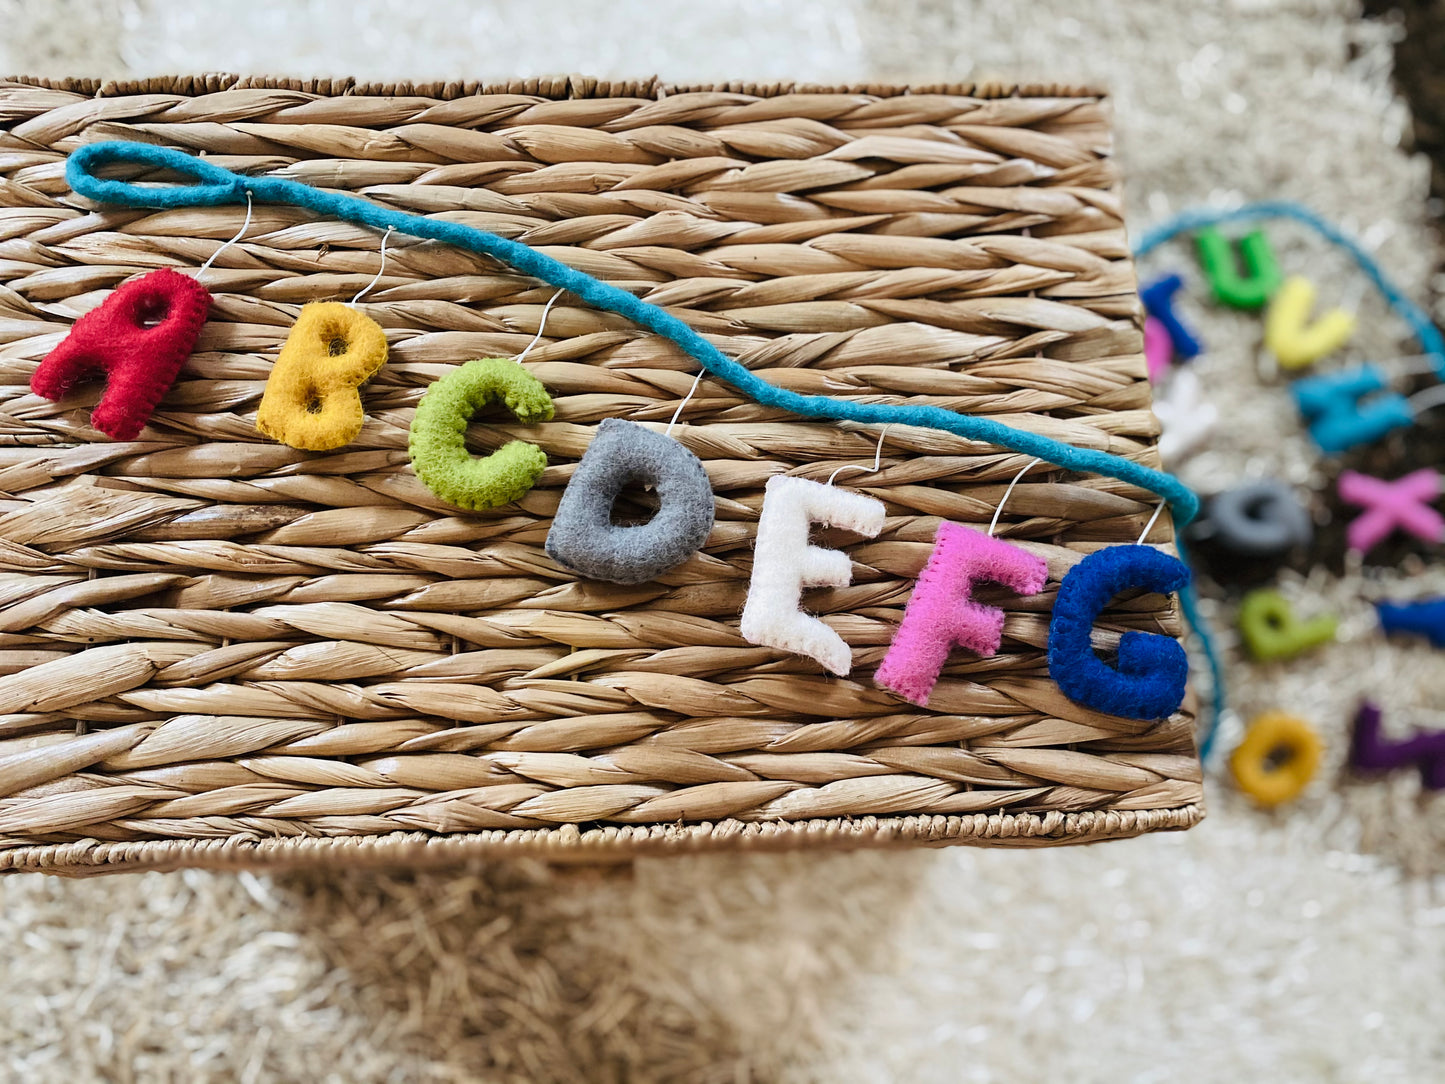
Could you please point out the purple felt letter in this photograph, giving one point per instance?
(942, 612)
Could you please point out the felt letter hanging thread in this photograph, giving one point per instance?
(1293, 343)
(583, 536)
(1152, 669)
(942, 613)
(140, 336)
(439, 433)
(785, 562)
(311, 399)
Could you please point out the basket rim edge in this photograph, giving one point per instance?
(610, 843)
(556, 88)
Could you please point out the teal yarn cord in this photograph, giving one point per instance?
(1189, 603)
(216, 186)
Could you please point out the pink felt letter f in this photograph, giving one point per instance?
(942, 612)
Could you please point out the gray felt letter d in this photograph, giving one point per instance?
(583, 536)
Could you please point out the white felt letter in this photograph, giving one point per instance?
(784, 563)
(1186, 417)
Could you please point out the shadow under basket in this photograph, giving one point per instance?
(219, 651)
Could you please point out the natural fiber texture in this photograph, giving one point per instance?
(210, 637)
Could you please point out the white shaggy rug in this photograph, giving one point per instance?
(1307, 945)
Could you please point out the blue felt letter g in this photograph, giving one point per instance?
(1153, 669)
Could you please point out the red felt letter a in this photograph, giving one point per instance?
(140, 336)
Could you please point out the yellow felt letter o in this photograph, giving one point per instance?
(311, 399)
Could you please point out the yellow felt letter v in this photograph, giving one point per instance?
(1285, 333)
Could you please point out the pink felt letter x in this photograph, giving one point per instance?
(942, 612)
(1403, 504)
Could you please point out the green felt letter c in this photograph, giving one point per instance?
(438, 435)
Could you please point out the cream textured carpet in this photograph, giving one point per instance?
(1303, 946)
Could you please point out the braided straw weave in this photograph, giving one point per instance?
(217, 650)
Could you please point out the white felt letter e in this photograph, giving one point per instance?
(784, 563)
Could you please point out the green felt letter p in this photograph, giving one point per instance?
(438, 435)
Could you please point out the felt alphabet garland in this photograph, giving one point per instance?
(1403, 504)
(217, 186)
(1271, 630)
(1276, 736)
(1370, 750)
(1158, 299)
(1424, 618)
(1158, 349)
(1350, 407)
(1294, 343)
(1342, 410)
(1261, 277)
(1149, 680)
(140, 337)
(1262, 518)
(1187, 418)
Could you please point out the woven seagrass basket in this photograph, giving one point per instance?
(216, 650)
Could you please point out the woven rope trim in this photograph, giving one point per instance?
(554, 87)
(610, 844)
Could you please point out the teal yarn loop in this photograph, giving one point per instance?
(215, 186)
